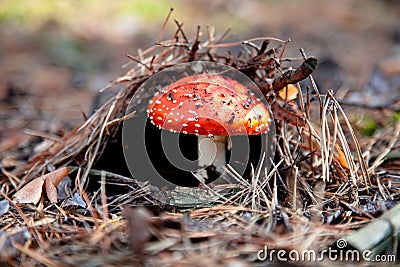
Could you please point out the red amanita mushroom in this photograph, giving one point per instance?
(209, 106)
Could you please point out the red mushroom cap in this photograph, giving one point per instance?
(208, 104)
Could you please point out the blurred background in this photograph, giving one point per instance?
(56, 55)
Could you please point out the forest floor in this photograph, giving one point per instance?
(53, 63)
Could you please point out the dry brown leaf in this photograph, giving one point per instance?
(288, 93)
(32, 191)
(139, 227)
(52, 180)
(4, 206)
(339, 155)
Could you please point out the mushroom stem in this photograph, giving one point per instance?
(212, 151)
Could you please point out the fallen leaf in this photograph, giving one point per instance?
(288, 93)
(139, 222)
(52, 180)
(76, 200)
(339, 155)
(4, 206)
(32, 191)
(64, 188)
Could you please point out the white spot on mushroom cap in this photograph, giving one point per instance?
(193, 112)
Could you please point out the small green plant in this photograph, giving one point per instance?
(396, 117)
(365, 124)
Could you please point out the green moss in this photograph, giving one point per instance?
(370, 127)
(366, 125)
(396, 116)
